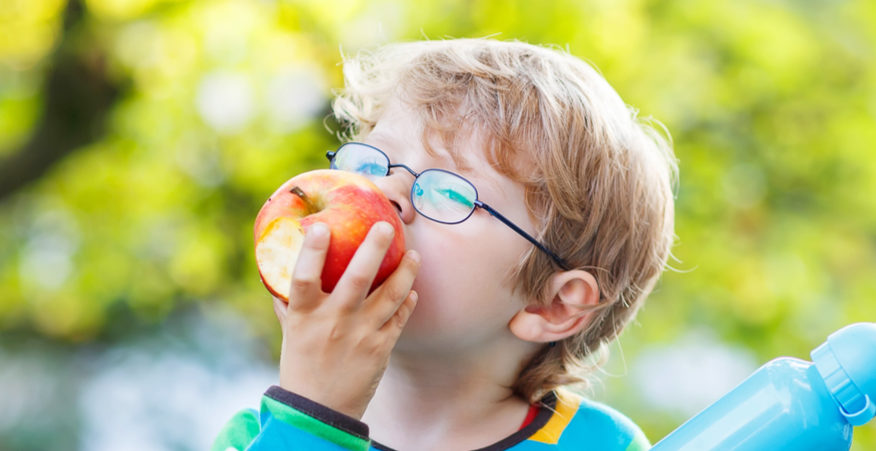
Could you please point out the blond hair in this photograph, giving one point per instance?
(598, 181)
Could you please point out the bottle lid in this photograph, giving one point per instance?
(847, 363)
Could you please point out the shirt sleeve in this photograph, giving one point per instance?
(614, 430)
(639, 441)
(239, 432)
(287, 421)
(579, 421)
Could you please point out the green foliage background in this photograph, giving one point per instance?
(771, 105)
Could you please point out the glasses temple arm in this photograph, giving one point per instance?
(559, 261)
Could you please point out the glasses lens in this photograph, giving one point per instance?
(443, 196)
(361, 159)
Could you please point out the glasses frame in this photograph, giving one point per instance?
(477, 202)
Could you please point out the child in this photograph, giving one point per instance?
(544, 229)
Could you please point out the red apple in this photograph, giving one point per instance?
(348, 203)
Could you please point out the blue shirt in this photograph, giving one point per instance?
(288, 421)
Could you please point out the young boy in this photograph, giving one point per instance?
(539, 214)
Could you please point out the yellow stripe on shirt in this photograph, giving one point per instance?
(567, 406)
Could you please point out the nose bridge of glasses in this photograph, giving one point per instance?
(411, 171)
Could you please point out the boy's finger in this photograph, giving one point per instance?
(387, 299)
(279, 308)
(394, 325)
(306, 286)
(359, 275)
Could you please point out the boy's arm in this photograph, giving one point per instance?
(289, 421)
(335, 348)
(336, 345)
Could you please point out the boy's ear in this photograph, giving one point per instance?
(574, 296)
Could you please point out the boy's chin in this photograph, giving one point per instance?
(421, 341)
(411, 338)
(434, 341)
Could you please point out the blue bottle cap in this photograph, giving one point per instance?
(847, 363)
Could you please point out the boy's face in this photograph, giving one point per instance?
(463, 284)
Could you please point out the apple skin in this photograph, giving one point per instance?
(348, 203)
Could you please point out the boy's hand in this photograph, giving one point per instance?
(336, 345)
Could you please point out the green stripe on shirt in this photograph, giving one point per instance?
(313, 426)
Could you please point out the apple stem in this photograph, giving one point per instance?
(300, 193)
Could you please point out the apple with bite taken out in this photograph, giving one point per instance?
(348, 203)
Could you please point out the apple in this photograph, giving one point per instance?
(348, 203)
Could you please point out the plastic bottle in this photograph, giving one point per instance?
(792, 404)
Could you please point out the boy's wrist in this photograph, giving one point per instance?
(333, 400)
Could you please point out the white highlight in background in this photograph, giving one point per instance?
(686, 376)
(225, 100)
(295, 96)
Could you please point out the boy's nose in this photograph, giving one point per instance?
(397, 188)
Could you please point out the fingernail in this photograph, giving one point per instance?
(317, 230)
(414, 256)
(384, 227)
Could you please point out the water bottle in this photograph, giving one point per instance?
(792, 404)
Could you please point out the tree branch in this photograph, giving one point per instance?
(78, 95)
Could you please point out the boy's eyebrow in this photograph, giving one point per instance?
(457, 162)
(378, 139)
(387, 143)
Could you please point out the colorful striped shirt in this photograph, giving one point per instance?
(287, 421)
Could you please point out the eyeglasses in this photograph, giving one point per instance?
(436, 194)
